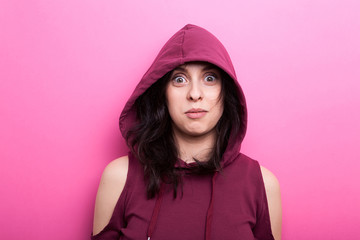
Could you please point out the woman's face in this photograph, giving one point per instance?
(194, 99)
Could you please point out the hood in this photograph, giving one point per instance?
(191, 43)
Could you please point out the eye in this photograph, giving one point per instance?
(179, 80)
(210, 78)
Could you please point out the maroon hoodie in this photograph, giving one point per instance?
(228, 205)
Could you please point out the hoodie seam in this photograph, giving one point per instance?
(182, 45)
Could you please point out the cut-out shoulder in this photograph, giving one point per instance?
(111, 185)
(272, 189)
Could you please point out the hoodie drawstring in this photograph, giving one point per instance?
(156, 211)
(209, 213)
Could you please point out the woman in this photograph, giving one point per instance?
(184, 177)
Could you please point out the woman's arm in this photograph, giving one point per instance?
(111, 185)
(274, 201)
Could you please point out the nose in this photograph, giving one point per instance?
(195, 92)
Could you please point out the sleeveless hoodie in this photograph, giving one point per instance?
(227, 205)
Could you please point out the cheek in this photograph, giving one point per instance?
(219, 108)
(217, 103)
(214, 92)
(172, 99)
(215, 98)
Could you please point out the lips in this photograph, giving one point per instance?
(195, 113)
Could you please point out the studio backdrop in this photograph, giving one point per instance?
(68, 67)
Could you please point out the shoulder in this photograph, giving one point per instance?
(270, 181)
(272, 189)
(114, 177)
(116, 170)
(111, 185)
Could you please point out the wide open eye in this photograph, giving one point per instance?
(179, 80)
(211, 79)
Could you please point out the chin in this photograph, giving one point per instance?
(198, 132)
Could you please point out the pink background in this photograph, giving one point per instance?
(67, 68)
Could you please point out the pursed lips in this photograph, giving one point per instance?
(195, 113)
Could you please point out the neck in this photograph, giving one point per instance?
(198, 147)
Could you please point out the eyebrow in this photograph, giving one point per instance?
(206, 68)
(211, 67)
(180, 69)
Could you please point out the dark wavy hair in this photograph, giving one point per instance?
(152, 142)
